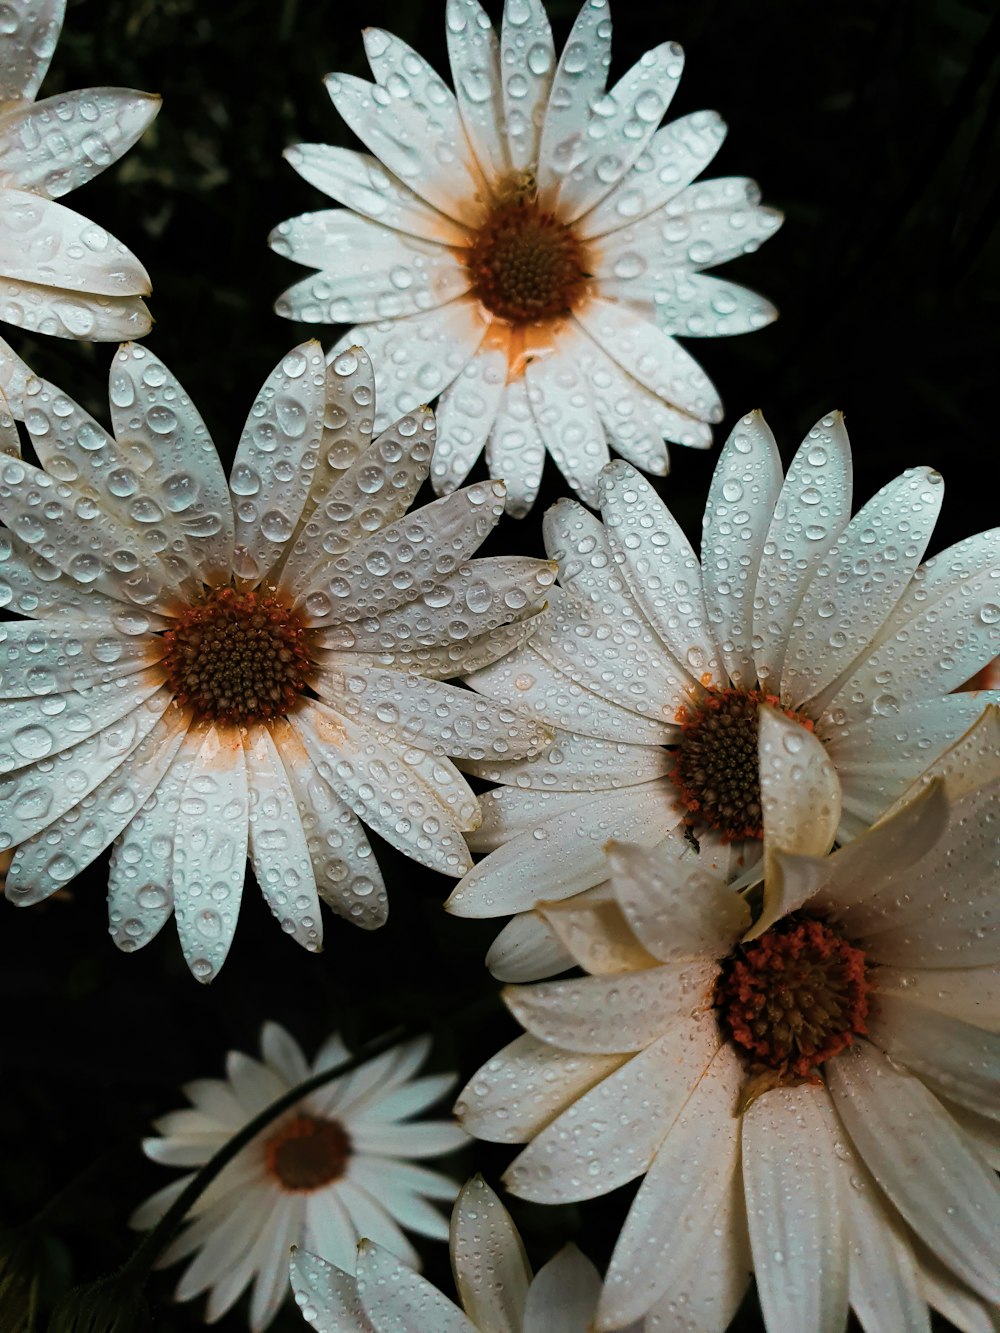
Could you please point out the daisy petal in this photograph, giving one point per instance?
(474, 56)
(210, 848)
(492, 1273)
(280, 1049)
(395, 1297)
(515, 450)
(14, 376)
(527, 60)
(797, 1233)
(96, 126)
(330, 1295)
(64, 312)
(971, 994)
(29, 46)
(947, 1195)
(466, 415)
(578, 83)
(362, 183)
(567, 419)
(564, 1294)
(610, 1134)
(594, 933)
(66, 260)
(691, 305)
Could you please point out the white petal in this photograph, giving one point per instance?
(29, 41)
(66, 312)
(690, 305)
(672, 1215)
(840, 613)
(527, 950)
(329, 1295)
(278, 847)
(971, 994)
(811, 512)
(515, 451)
(566, 417)
(594, 933)
(604, 1015)
(491, 1268)
(563, 1296)
(578, 83)
(474, 54)
(678, 909)
(395, 1297)
(676, 154)
(651, 357)
(921, 1160)
(46, 245)
(609, 1135)
(738, 512)
(272, 469)
(210, 852)
(56, 145)
(465, 415)
(14, 375)
(797, 1231)
(527, 60)
(362, 183)
(280, 1049)
(525, 1087)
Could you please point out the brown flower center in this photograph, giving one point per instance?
(793, 998)
(308, 1153)
(716, 766)
(238, 657)
(525, 264)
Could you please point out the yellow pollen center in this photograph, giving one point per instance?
(308, 1153)
(526, 265)
(238, 657)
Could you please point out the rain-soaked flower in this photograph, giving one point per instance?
(207, 672)
(810, 1088)
(497, 1291)
(652, 668)
(528, 246)
(337, 1166)
(60, 274)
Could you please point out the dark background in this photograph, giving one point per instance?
(872, 123)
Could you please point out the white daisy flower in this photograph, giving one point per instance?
(492, 1274)
(60, 274)
(210, 672)
(651, 666)
(336, 1167)
(528, 246)
(813, 1097)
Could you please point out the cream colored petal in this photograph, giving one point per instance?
(563, 1296)
(491, 1269)
(14, 376)
(594, 933)
(327, 1297)
(971, 994)
(973, 761)
(46, 245)
(396, 1298)
(68, 312)
(527, 950)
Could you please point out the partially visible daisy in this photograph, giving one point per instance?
(60, 274)
(211, 672)
(529, 246)
(497, 1291)
(810, 1089)
(652, 667)
(336, 1167)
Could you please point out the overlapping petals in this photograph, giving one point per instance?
(243, 1225)
(834, 616)
(394, 261)
(115, 536)
(60, 274)
(867, 1184)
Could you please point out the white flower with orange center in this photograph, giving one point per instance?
(652, 667)
(60, 274)
(339, 1166)
(208, 672)
(808, 1080)
(495, 1285)
(528, 246)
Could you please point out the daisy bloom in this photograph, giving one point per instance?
(652, 668)
(60, 273)
(528, 246)
(808, 1080)
(497, 1291)
(336, 1167)
(209, 672)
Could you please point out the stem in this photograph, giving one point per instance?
(145, 1253)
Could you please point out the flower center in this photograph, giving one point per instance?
(716, 765)
(793, 998)
(525, 264)
(308, 1153)
(238, 657)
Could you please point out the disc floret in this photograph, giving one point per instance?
(307, 1153)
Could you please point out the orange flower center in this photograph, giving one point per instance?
(526, 265)
(308, 1153)
(238, 657)
(716, 766)
(794, 998)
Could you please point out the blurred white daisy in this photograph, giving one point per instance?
(209, 672)
(60, 274)
(814, 1097)
(652, 666)
(528, 246)
(336, 1167)
(497, 1291)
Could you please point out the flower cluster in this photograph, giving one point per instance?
(741, 807)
